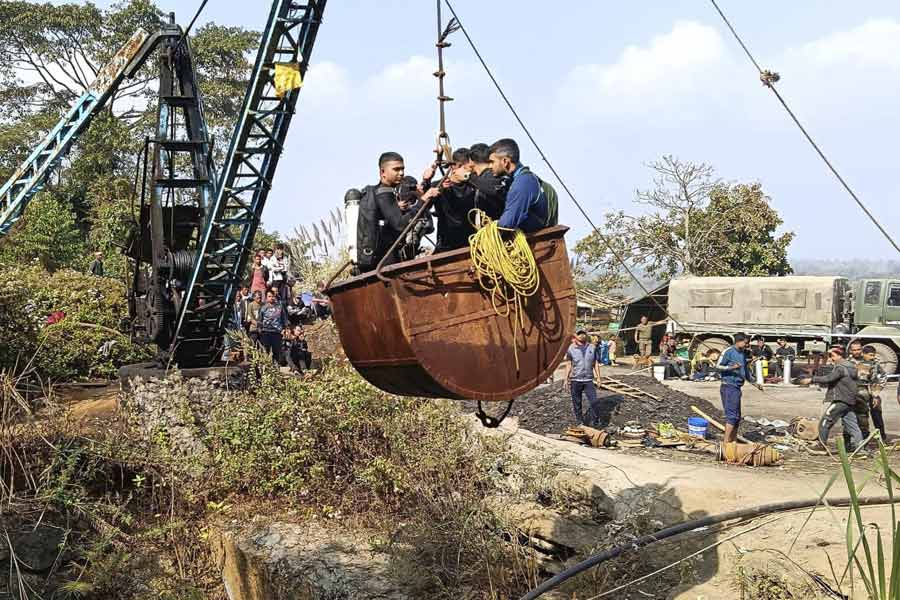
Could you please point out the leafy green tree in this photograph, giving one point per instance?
(693, 224)
(47, 234)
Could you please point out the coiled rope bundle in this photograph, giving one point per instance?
(505, 268)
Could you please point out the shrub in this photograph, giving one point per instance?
(86, 343)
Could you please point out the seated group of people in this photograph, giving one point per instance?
(674, 353)
(489, 178)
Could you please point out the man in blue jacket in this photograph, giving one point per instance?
(526, 204)
(733, 368)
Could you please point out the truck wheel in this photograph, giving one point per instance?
(886, 356)
(711, 343)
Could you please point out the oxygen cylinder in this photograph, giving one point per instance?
(786, 376)
(351, 217)
(760, 378)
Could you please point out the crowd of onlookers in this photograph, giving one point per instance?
(272, 310)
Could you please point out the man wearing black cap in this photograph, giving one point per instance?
(581, 369)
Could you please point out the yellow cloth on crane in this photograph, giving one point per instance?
(506, 269)
(287, 78)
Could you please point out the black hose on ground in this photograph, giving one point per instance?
(744, 513)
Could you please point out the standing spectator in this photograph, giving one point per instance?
(259, 275)
(613, 344)
(271, 323)
(872, 377)
(581, 369)
(733, 368)
(643, 336)
(96, 267)
(253, 308)
(279, 271)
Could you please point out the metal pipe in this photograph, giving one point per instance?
(687, 526)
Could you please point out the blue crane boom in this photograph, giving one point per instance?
(30, 177)
(232, 220)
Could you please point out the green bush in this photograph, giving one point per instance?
(86, 343)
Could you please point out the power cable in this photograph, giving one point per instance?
(550, 166)
(191, 24)
(769, 79)
(688, 526)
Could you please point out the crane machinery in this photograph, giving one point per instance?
(196, 230)
(31, 176)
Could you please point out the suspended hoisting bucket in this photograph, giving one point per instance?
(430, 330)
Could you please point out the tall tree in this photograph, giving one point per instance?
(49, 53)
(693, 224)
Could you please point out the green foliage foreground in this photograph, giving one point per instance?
(85, 344)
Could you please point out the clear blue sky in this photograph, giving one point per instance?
(607, 87)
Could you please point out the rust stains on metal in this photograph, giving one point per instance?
(114, 68)
(431, 330)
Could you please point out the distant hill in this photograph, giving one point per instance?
(852, 268)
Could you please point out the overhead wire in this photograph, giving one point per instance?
(191, 24)
(603, 238)
(769, 79)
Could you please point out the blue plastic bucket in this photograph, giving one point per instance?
(697, 426)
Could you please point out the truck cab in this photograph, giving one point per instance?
(876, 317)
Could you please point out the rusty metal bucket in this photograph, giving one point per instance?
(431, 331)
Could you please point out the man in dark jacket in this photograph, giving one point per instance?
(840, 399)
(453, 199)
(381, 220)
(490, 193)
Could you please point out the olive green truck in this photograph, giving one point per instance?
(811, 312)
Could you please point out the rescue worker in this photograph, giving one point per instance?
(581, 368)
(861, 407)
(871, 381)
(410, 203)
(453, 201)
(527, 205)
(732, 367)
(380, 220)
(840, 398)
(490, 193)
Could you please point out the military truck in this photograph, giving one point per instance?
(811, 312)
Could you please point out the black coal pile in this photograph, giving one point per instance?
(548, 408)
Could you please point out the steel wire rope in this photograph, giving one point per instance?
(553, 170)
(769, 79)
(191, 24)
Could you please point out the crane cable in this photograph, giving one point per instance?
(769, 78)
(603, 238)
(506, 269)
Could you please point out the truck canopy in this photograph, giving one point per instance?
(731, 304)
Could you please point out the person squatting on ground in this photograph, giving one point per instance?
(840, 399)
(732, 367)
(783, 352)
(581, 369)
(271, 322)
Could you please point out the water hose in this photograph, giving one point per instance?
(687, 526)
(506, 269)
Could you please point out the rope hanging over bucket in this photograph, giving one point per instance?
(506, 269)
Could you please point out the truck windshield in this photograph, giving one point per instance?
(893, 298)
(873, 293)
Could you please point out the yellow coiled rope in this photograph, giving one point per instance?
(505, 268)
